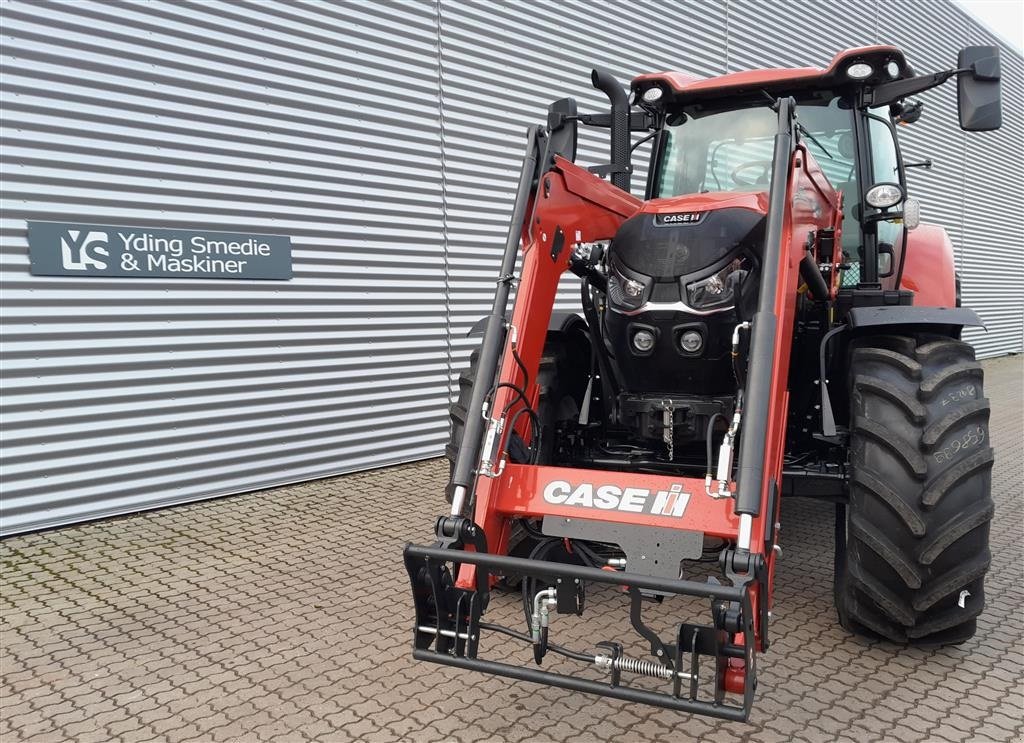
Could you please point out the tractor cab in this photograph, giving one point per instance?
(716, 135)
(685, 270)
(712, 149)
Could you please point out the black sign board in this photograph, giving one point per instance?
(61, 249)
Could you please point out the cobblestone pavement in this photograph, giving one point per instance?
(285, 615)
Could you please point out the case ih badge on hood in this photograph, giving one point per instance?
(732, 345)
(679, 218)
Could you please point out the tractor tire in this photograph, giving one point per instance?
(562, 384)
(911, 560)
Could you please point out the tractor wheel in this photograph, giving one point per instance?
(562, 379)
(911, 560)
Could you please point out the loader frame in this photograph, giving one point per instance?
(560, 205)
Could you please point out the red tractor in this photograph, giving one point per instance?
(769, 320)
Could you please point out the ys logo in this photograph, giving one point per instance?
(81, 250)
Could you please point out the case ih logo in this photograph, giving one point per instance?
(671, 502)
(680, 218)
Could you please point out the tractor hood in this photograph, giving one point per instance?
(703, 202)
(669, 242)
(682, 266)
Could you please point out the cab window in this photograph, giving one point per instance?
(719, 151)
(732, 150)
(885, 166)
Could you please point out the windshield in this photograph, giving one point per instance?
(732, 150)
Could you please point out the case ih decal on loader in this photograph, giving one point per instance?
(671, 502)
(769, 320)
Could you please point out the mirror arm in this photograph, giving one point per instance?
(885, 93)
(877, 217)
(642, 140)
(638, 121)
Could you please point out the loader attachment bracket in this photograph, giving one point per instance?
(445, 613)
(449, 629)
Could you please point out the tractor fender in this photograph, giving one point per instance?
(884, 320)
(561, 320)
(948, 321)
(929, 267)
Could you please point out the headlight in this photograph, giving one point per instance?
(624, 292)
(719, 289)
(643, 341)
(884, 195)
(859, 71)
(652, 95)
(911, 213)
(690, 341)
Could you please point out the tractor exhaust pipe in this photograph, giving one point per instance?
(619, 135)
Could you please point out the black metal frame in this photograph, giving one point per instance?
(448, 628)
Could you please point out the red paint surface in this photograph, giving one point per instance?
(522, 495)
(687, 84)
(929, 267)
(698, 202)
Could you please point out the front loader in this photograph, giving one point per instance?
(769, 320)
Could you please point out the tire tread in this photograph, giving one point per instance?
(918, 520)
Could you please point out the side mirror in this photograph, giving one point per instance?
(978, 89)
(563, 128)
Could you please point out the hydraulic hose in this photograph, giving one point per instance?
(811, 275)
(610, 380)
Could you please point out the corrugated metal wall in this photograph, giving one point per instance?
(313, 120)
(385, 139)
(992, 215)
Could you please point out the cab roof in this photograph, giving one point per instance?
(682, 87)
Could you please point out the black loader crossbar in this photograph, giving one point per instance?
(448, 628)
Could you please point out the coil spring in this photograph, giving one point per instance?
(642, 668)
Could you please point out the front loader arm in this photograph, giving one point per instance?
(569, 206)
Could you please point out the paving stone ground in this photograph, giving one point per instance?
(285, 615)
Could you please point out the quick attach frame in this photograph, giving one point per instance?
(448, 627)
